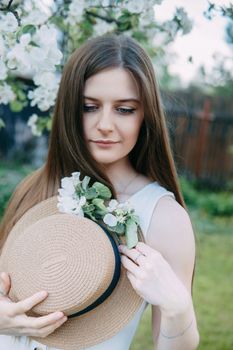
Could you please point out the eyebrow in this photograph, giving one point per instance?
(121, 100)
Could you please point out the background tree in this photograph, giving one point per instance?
(37, 39)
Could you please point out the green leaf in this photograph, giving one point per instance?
(100, 212)
(103, 191)
(16, 106)
(99, 203)
(88, 208)
(49, 124)
(32, 43)
(91, 193)
(85, 182)
(2, 124)
(91, 216)
(21, 95)
(29, 28)
(135, 218)
(131, 234)
(78, 189)
(119, 228)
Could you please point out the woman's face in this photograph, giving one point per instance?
(113, 115)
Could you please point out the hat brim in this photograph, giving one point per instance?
(99, 324)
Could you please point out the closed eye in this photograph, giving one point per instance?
(126, 110)
(122, 110)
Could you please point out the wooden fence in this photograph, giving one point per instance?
(202, 142)
(203, 145)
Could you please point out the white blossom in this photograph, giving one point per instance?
(8, 22)
(48, 80)
(42, 97)
(3, 70)
(68, 201)
(110, 220)
(67, 186)
(146, 18)
(171, 27)
(156, 2)
(2, 46)
(32, 122)
(36, 17)
(101, 27)
(19, 56)
(46, 38)
(6, 94)
(112, 205)
(68, 205)
(75, 12)
(134, 6)
(125, 206)
(29, 58)
(184, 20)
(76, 178)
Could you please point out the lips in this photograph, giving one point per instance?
(105, 142)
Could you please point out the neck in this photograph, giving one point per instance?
(120, 173)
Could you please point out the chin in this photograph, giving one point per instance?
(106, 160)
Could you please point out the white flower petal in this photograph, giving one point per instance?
(110, 220)
(67, 185)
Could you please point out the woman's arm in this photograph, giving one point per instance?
(171, 234)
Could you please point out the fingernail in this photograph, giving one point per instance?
(58, 315)
(43, 294)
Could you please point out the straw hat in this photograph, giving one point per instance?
(78, 263)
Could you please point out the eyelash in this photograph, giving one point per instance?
(126, 110)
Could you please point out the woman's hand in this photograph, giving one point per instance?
(14, 321)
(154, 280)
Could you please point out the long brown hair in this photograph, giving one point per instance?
(68, 152)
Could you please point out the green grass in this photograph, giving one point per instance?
(212, 292)
(213, 283)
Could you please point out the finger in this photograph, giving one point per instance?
(27, 304)
(145, 249)
(131, 253)
(44, 321)
(5, 283)
(132, 278)
(129, 265)
(45, 331)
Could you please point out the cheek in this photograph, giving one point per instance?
(130, 132)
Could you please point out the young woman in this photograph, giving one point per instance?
(108, 124)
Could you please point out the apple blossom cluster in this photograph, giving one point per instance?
(180, 20)
(29, 50)
(30, 47)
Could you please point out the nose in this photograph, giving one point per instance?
(105, 122)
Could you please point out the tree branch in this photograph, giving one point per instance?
(9, 9)
(107, 19)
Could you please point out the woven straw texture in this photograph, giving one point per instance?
(73, 260)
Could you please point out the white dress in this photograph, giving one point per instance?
(144, 202)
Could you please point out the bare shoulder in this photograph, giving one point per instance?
(171, 233)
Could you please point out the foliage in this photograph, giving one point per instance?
(78, 197)
(10, 176)
(212, 203)
(36, 42)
